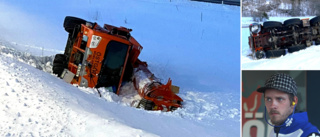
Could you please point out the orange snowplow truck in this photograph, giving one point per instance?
(107, 56)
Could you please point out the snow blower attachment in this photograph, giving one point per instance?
(156, 96)
(107, 56)
(274, 39)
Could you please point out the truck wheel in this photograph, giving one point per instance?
(59, 64)
(271, 24)
(291, 22)
(57, 70)
(71, 22)
(315, 20)
(260, 54)
(275, 53)
(59, 58)
(296, 48)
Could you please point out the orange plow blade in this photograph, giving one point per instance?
(155, 95)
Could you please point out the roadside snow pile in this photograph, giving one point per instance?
(303, 59)
(202, 107)
(42, 63)
(208, 107)
(32, 104)
(198, 106)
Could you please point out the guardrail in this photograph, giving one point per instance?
(228, 2)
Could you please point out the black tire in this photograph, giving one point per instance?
(315, 20)
(58, 71)
(296, 48)
(271, 24)
(59, 58)
(71, 22)
(292, 22)
(260, 54)
(59, 64)
(275, 53)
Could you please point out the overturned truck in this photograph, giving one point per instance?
(274, 39)
(106, 56)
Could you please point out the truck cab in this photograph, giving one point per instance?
(106, 56)
(98, 56)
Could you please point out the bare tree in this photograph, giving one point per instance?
(314, 7)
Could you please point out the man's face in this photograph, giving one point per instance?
(278, 105)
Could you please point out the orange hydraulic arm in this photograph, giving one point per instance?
(150, 88)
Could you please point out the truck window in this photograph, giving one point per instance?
(113, 63)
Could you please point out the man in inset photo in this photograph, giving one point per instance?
(280, 98)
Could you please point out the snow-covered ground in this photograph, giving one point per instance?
(181, 39)
(36, 103)
(301, 60)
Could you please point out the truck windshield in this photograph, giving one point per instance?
(115, 55)
(113, 63)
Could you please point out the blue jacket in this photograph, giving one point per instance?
(298, 126)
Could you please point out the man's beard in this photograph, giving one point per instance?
(280, 118)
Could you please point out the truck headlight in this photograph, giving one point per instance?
(255, 28)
